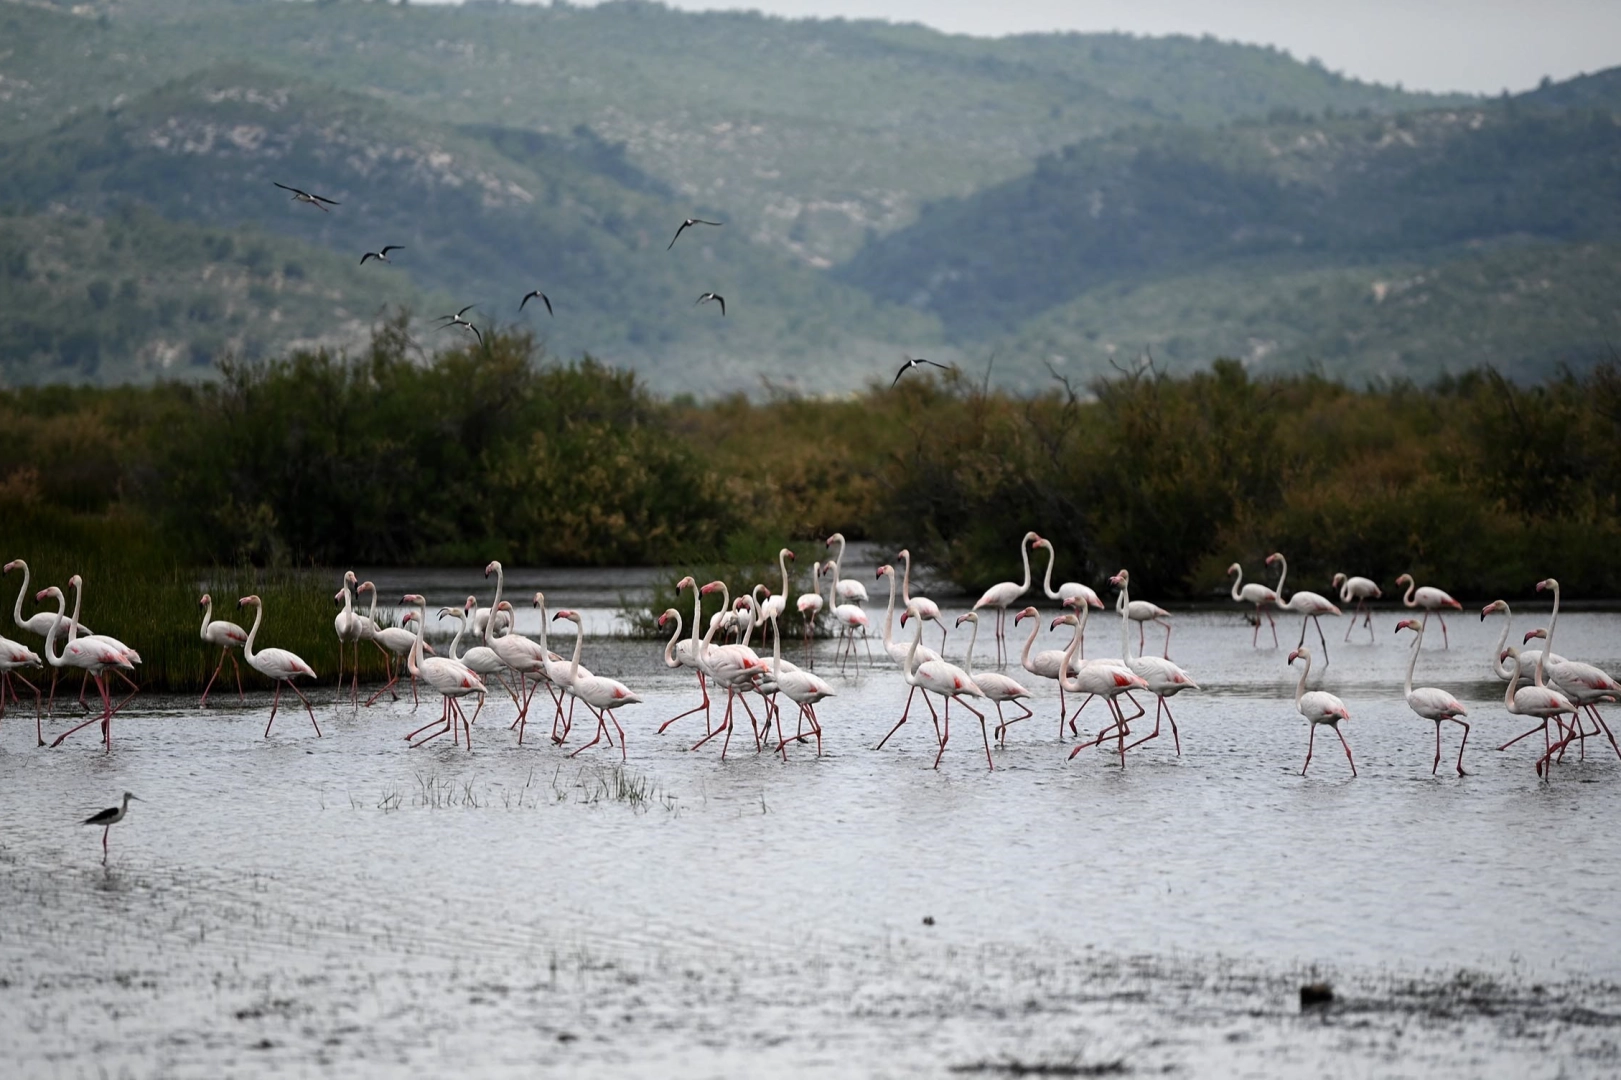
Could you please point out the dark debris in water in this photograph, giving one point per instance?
(1015, 1067)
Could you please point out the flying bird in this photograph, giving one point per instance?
(528, 296)
(457, 320)
(717, 297)
(304, 196)
(381, 256)
(910, 364)
(685, 224)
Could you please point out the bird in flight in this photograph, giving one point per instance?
(304, 196)
(381, 256)
(528, 296)
(910, 364)
(717, 297)
(684, 226)
(448, 321)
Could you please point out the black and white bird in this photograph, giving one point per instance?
(457, 320)
(716, 297)
(381, 256)
(910, 364)
(300, 195)
(532, 294)
(108, 818)
(687, 224)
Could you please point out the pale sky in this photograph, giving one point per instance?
(1481, 46)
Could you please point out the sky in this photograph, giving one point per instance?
(1480, 46)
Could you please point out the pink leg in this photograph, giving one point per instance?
(1310, 742)
(1462, 744)
(1347, 746)
(307, 708)
(1443, 621)
(240, 696)
(945, 736)
(703, 705)
(203, 704)
(275, 701)
(1437, 764)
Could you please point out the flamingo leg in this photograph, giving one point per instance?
(105, 829)
(1367, 618)
(622, 747)
(703, 705)
(203, 704)
(1462, 744)
(1437, 764)
(275, 701)
(241, 698)
(39, 731)
(1311, 741)
(945, 736)
(1347, 746)
(1152, 734)
(1166, 653)
(601, 728)
(307, 708)
(102, 719)
(1319, 624)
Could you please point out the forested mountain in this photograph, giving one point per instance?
(1047, 199)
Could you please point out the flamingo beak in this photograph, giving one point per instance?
(791, 555)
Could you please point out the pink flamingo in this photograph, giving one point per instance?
(1069, 590)
(810, 607)
(76, 583)
(1164, 679)
(777, 604)
(1048, 663)
(803, 688)
(1099, 678)
(13, 657)
(451, 678)
(850, 616)
(276, 664)
(1308, 605)
(1319, 707)
(1431, 600)
(41, 622)
(927, 609)
(522, 656)
(735, 667)
(685, 653)
(1262, 597)
(849, 589)
(1538, 701)
(896, 650)
(1430, 703)
(1361, 590)
(601, 695)
(93, 655)
(947, 680)
(1583, 684)
(1004, 594)
(481, 658)
(1141, 612)
(998, 688)
(557, 672)
(347, 624)
(227, 635)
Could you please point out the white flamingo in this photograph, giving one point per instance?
(735, 667)
(1262, 597)
(347, 625)
(396, 643)
(452, 679)
(1539, 701)
(277, 664)
(481, 658)
(522, 656)
(1164, 679)
(1098, 678)
(601, 695)
(1532, 657)
(1432, 600)
(680, 653)
(92, 655)
(227, 635)
(558, 672)
(1308, 605)
(897, 650)
(849, 589)
(949, 681)
(850, 618)
(1585, 685)
(76, 630)
(1319, 707)
(776, 604)
(810, 607)
(1142, 613)
(14, 656)
(1048, 663)
(997, 687)
(927, 609)
(805, 689)
(1361, 590)
(1004, 594)
(40, 623)
(1069, 590)
(1429, 702)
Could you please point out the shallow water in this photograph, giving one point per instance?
(280, 905)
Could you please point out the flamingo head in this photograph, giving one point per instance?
(1539, 632)
(1492, 608)
(53, 592)
(77, 582)
(506, 606)
(571, 616)
(973, 617)
(1235, 569)
(836, 538)
(411, 598)
(1031, 538)
(492, 568)
(12, 565)
(205, 600)
(713, 586)
(349, 579)
(1512, 651)
(1121, 580)
(1027, 613)
(1062, 620)
(1339, 579)
(407, 617)
(1407, 624)
(365, 586)
(1302, 651)
(904, 553)
(447, 612)
(685, 583)
(1545, 583)
(1405, 579)
(470, 603)
(540, 599)
(1274, 557)
(885, 569)
(1042, 542)
(669, 613)
(337, 597)
(246, 600)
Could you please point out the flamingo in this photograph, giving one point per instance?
(479, 616)
(481, 658)
(40, 623)
(1431, 600)
(998, 688)
(13, 657)
(602, 696)
(949, 681)
(803, 688)
(1538, 701)
(927, 609)
(557, 673)
(775, 605)
(1259, 595)
(897, 651)
(1069, 590)
(1142, 612)
(1049, 662)
(228, 636)
(1164, 679)
(1532, 657)
(1583, 684)
(451, 678)
(76, 583)
(1430, 703)
(685, 653)
(522, 656)
(1319, 707)
(1361, 590)
(1098, 679)
(1003, 594)
(347, 625)
(810, 606)
(848, 615)
(277, 664)
(93, 655)
(850, 590)
(1308, 605)
(736, 667)
(396, 643)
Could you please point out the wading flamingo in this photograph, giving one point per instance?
(1361, 590)
(1431, 600)
(1262, 597)
(1584, 684)
(39, 624)
(1069, 590)
(1538, 701)
(850, 618)
(14, 656)
(896, 650)
(849, 589)
(927, 609)
(76, 631)
(558, 672)
(1308, 605)
(1430, 703)
(947, 680)
(1164, 679)
(601, 695)
(228, 636)
(1048, 663)
(277, 664)
(481, 658)
(735, 667)
(1004, 594)
(803, 688)
(1142, 612)
(452, 679)
(522, 656)
(775, 605)
(1319, 707)
(92, 656)
(997, 687)
(1104, 679)
(346, 624)
(685, 653)
(810, 607)
(1531, 657)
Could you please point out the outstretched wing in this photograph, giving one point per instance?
(294, 190)
(465, 310)
(392, 247)
(370, 255)
(721, 300)
(904, 369)
(476, 334)
(677, 235)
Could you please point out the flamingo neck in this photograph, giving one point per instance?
(17, 611)
(247, 646)
(906, 578)
(889, 612)
(1508, 694)
(911, 654)
(776, 648)
(1024, 657)
(669, 647)
(1547, 642)
(495, 605)
(1124, 605)
(1283, 572)
(725, 606)
(461, 628)
(973, 636)
(782, 564)
(1238, 580)
(1300, 687)
(78, 597)
(51, 638)
(413, 659)
(754, 616)
(1069, 658)
(208, 615)
(1412, 660)
(1024, 550)
(1500, 669)
(544, 647)
(697, 619)
(832, 571)
(1407, 600)
(574, 665)
(1047, 582)
(372, 614)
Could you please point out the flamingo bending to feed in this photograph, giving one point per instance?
(997, 687)
(1164, 679)
(950, 682)
(1069, 590)
(849, 589)
(1308, 605)
(1262, 597)
(810, 607)
(927, 609)
(277, 664)
(1099, 678)
(1430, 703)
(92, 655)
(1431, 600)
(602, 696)
(228, 636)
(1004, 594)
(451, 678)
(1048, 663)
(803, 688)
(1319, 707)
(1361, 590)
(1538, 701)
(13, 657)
